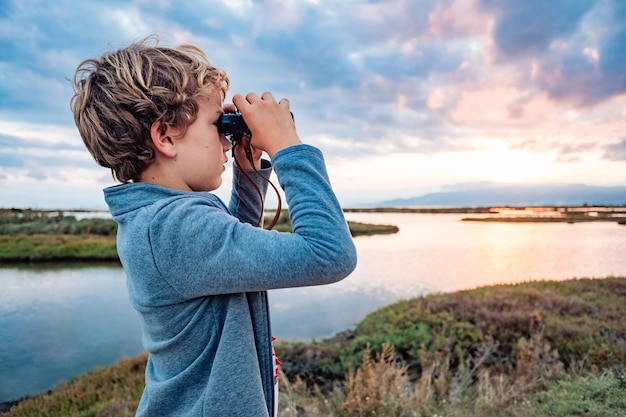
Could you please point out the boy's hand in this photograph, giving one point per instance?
(269, 121)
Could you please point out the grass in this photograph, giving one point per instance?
(46, 247)
(52, 247)
(356, 229)
(112, 391)
(553, 349)
(28, 235)
(366, 229)
(601, 394)
(579, 319)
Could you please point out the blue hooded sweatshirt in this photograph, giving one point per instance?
(198, 274)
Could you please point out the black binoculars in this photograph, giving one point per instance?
(233, 126)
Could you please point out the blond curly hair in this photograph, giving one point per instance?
(118, 97)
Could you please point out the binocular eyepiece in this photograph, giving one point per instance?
(233, 126)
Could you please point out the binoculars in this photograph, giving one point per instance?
(233, 126)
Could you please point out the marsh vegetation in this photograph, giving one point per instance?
(526, 350)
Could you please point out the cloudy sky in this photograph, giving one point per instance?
(403, 97)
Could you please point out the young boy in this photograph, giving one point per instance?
(198, 271)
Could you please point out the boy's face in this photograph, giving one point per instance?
(202, 150)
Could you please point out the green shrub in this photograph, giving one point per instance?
(42, 247)
(28, 221)
(581, 319)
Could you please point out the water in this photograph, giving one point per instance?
(58, 322)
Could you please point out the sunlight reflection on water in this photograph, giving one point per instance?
(440, 253)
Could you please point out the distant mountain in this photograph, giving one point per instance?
(492, 194)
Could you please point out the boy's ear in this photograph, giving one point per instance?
(162, 139)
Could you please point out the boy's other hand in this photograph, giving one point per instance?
(241, 155)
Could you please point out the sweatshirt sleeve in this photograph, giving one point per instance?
(200, 249)
(246, 200)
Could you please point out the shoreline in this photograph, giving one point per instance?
(5, 406)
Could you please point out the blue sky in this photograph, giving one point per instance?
(403, 97)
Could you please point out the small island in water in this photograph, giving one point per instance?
(554, 214)
(525, 214)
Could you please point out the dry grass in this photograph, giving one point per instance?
(380, 387)
(106, 392)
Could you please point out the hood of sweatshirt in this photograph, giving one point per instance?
(126, 198)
